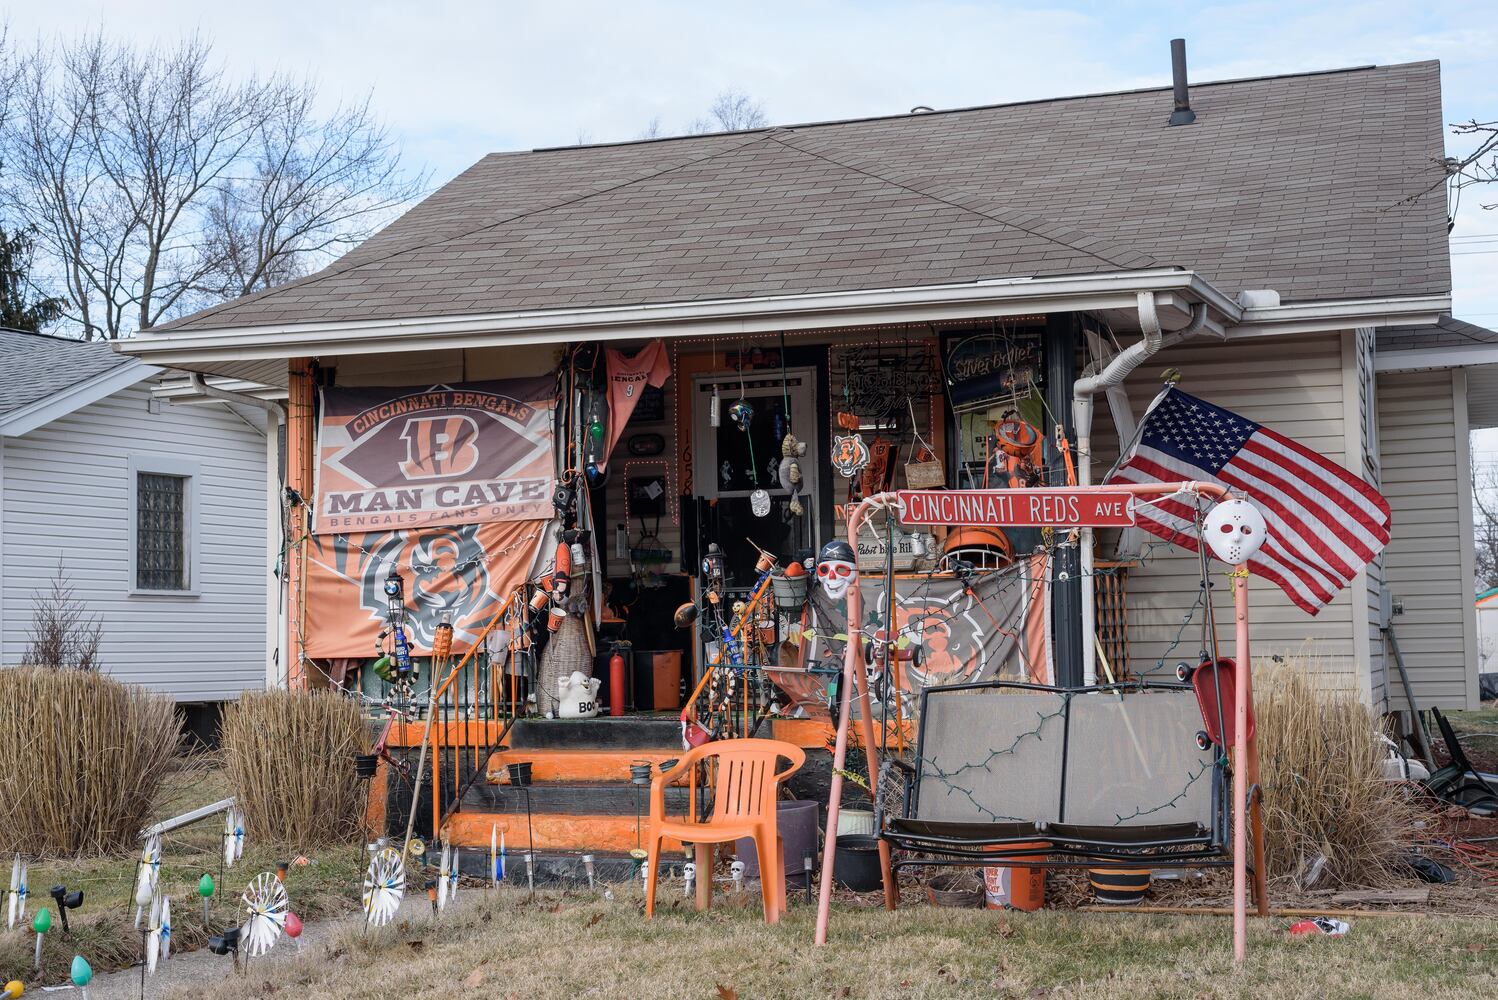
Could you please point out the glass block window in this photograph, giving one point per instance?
(160, 532)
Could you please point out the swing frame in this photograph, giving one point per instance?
(1242, 809)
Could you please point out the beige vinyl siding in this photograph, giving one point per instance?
(1294, 385)
(1422, 434)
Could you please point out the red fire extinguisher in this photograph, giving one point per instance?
(616, 682)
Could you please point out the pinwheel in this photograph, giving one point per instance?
(159, 940)
(384, 887)
(16, 905)
(233, 836)
(444, 876)
(147, 875)
(265, 904)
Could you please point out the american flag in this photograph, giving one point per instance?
(1324, 523)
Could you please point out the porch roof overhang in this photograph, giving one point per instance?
(258, 353)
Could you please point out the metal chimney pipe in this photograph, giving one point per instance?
(1182, 115)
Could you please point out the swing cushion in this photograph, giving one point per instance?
(1109, 771)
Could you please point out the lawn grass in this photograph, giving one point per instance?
(563, 945)
(103, 928)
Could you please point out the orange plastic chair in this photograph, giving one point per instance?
(744, 796)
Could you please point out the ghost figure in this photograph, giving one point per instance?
(1235, 530)
(577, 696)
(837, 569)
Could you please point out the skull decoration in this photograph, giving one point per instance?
(742, 414)
(837, 569)
(1235, 530)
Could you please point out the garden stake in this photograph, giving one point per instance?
(82, 974)
(588, 867)
(205, 889)
(41, 924)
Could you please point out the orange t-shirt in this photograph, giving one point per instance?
(628, 377)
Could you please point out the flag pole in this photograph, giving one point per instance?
(1240, 765)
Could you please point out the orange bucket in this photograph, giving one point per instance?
(1016, 887)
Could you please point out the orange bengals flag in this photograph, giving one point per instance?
(464, 571)
(411, 457)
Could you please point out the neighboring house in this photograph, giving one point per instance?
(153, 512)
(1297, 226)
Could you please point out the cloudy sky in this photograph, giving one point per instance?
(456, 80)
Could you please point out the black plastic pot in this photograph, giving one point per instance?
(855, 863)
(366, 764)
(520, 773)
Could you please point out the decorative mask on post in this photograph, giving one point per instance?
(1235, 530)
(837, 569)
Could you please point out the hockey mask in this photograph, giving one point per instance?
(1235, 530)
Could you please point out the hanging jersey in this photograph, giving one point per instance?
(628, 377)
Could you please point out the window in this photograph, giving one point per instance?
(160, 531)
(164, 529)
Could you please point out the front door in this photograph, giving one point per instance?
(730, 464)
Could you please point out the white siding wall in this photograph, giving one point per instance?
(1296, 386)
(1427, 565)
(66, 496)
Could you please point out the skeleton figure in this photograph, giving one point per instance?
(1235, 530)
(837, 569)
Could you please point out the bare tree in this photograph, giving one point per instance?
(731, 111)
(652, 129)
(154, 184)
(62, 634)
(316, 186)
(1485, 523)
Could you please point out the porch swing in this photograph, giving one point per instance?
(1122, 775)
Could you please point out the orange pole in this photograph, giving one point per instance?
(300, 445)
(1240, 766)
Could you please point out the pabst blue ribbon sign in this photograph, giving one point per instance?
(409, 457)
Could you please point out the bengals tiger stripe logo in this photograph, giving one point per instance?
(439, 447)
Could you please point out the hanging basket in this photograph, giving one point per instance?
(925, 475)
(790, 592)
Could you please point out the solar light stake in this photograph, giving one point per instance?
(66, 901)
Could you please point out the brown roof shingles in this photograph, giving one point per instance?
(1306, 184)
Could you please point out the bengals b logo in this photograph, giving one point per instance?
(439, 447)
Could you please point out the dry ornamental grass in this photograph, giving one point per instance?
(1322, 776)
(81, 758)
(289, 758)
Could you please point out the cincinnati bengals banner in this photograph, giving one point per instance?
(409, 457)
(463, 571)
(993, 631)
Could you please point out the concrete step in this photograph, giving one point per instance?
(555, 832)
(577, 764)
(606, 798)
(567, 868)
(625, 732)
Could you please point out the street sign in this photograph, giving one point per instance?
(1034, 508)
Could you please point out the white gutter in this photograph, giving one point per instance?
(1435, 357)
(1084, 390)
(716, 317)
(1318, 317)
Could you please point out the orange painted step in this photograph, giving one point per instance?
(553, 832)
(574, 765)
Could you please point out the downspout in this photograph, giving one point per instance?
(1084, 392)
(195, 379)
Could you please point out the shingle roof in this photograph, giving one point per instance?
(34, 366)
(1446, 332)
(1307, 184)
